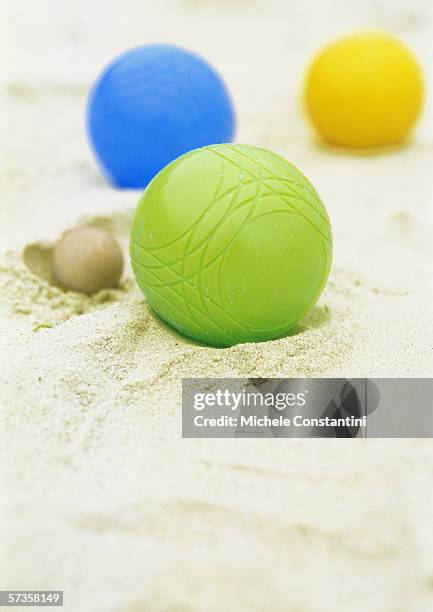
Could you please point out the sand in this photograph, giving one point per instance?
(99, 495)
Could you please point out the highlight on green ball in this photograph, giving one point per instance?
(231, 244)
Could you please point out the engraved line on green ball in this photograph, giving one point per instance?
(172, 306)
(246, 220)
(310, 197)
(193, 320)
(229, 338)
(309, 200)
(180, 279)
(206, 240)
(178, 259)
(238, 152)
(273, 177)
(325, 274)
(271, 189)
(214, 200)
(292, 321)
(196, 249)
(277, 331)
(281, 328)
(322, 226)
(169, 264)
(210, 205)
(326, 246)
(227, 215)
(307, 186)
(283, 197)
(252, 332)
(327, 240)
(170, 287)
(189, 229)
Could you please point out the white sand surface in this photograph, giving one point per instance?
(99, 495)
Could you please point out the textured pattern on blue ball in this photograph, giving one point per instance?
(151, 105)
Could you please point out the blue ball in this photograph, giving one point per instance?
(151, 105)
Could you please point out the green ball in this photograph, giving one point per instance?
(230, 244)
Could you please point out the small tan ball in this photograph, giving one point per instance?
(87, 259)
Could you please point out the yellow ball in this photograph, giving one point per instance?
(365, 90)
